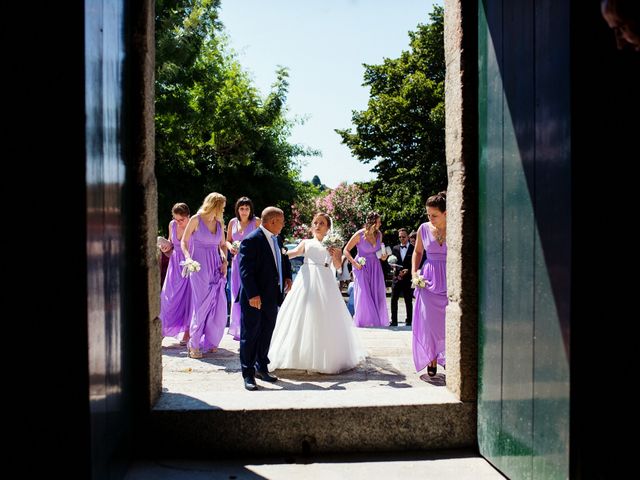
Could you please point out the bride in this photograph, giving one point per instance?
(314, 330)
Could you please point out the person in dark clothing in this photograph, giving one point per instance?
(401, 277)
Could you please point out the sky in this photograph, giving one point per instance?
(324, 44)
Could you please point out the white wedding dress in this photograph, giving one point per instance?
(314, 330)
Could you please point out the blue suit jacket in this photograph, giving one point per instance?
(258, 271)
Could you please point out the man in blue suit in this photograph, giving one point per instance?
(265, 276)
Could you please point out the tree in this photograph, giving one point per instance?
(303, 210)
(214, 131)
(402, 130)
(317, 183)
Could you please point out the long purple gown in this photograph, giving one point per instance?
(209, 313)
(430, 304)
(237, 235)
(369, 291)
(175, 297)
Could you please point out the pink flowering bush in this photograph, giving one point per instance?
(347, 205)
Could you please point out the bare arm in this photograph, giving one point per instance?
(349, 246)
(184, 243)
(296, 252)
(417, 254)
(223, 252)
(230, 238)
(336, 256)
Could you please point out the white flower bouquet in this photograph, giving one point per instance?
(361, 261)
(333, 240)
(189, 266)
(418, 281)
(392, 260)
(235, 244)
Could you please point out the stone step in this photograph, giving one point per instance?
(382, 405)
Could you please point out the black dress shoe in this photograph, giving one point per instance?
(250, 383)
(266, 377)
(393, 324)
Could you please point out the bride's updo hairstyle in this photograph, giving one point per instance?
(323, 215)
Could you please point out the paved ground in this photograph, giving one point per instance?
(387, 376)
(441, 465)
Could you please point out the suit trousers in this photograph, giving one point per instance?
(401, 288)
(256, 330)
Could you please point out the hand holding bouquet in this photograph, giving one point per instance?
(418, 281)
(235, 247)
(393, 261)
(333, 240)
(164, 245)
(189, 267)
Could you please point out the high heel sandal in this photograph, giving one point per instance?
(195, 353)
(431, 371)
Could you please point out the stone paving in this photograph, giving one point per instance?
(387, 376)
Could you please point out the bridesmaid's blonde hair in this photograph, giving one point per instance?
(213, 204)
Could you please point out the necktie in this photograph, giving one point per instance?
(276, 249)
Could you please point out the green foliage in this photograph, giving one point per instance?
(317, 183)
(402, 130)
(214, 131)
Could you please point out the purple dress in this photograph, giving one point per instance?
(369, 291)
(237, 235)
(209, 299)
(431, 301)
(175, 297)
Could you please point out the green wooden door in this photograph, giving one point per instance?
(524, 237)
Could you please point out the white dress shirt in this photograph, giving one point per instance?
(403, 250)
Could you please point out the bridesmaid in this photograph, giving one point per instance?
(209, 300)
(431, 299)
(370, 292)
(239, 227)
(175, 297)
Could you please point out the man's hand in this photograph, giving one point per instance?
(255, 302)
(403, 272)
(287, 284)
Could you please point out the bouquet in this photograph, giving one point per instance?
(189, 267)
(361, 261)
(418, 281)
(235, 244)
(392, 260)
(383, 251)
(333, 240)
(164, 244)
